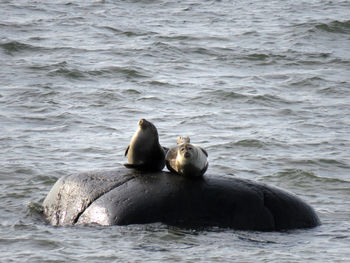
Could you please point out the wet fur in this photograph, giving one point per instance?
(144, 151)
(194, 166)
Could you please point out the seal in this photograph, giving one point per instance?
(187, 159)
(144, 152)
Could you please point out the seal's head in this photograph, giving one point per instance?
(186, 152)
(187, 159)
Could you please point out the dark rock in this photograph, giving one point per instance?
(126, 196)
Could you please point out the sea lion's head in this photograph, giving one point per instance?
(145, 125)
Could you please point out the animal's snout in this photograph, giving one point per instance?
(187, 155)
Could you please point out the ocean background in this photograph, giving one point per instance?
(263, 86)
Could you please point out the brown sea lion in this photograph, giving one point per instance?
(144, 151)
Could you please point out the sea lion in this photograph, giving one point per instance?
(187, 159)
(144, 151)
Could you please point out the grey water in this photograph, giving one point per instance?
(263, 86)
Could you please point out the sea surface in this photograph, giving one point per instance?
(263, 86)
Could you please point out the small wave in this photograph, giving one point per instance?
(223, 95)
(203, 51)
(335, 90)
(35, 208)
(335, 27)
(45, 179)
(334, 162)
(160, 83)
(321, 162)
(258, 57)
(228, 95)
(69, 73)
(268, 99)
(128, 33)
(126, 71)
(49, 67)
(246, 143)
(179, 37)
(250, 143)
(35, 212)
(15, 46)
(261, 58)
(116, 71)
(24, 170)
(166, 49)
(255, 239)
(150, 98)
(305, 81)
(131, 92)
(73, 73)
(303, 178)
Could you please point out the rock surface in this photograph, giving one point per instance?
(124, 196)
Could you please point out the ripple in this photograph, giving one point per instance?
(131, 92)
(128, 33)
(62, 69)
(14, 47)
(305, 81)
(256, 239)
(339, 91)
(269, 99)
(150, 98)
(245, 143)
(69, 73)
(125, 71)
(334, 27)
(261, 99)
(306, 178)
(250, 143)
(224, 95)
(334, 162)
(260, 57)
(321, 162)
(45, 179)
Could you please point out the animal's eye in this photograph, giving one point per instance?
(190, 148)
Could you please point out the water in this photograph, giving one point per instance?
(263, 86)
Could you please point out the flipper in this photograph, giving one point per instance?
(166, 149)
(204, 151)
(127, 150)
(169, 166)
(170, 159)
(205, 168)
(134, 166)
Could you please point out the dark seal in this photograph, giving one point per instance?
(144, 151)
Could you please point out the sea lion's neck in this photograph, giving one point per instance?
(144, 136)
